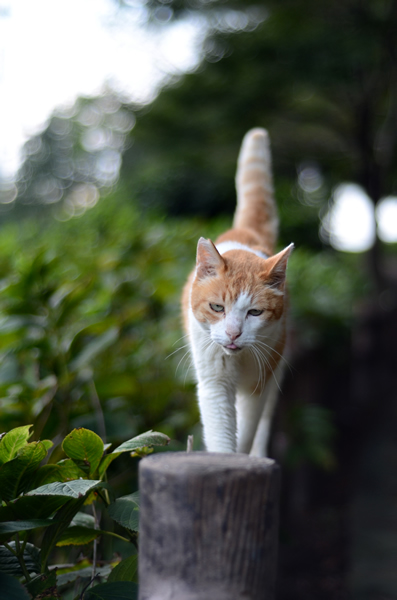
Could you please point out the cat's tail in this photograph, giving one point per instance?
(256, 209)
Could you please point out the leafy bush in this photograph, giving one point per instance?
(65, 500)
(89, 311)
(326, 289)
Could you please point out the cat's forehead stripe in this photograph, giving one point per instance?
(226, 246)
(241, 291)
(243, 301)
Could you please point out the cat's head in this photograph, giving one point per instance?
(238, 298)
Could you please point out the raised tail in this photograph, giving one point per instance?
(256, 209)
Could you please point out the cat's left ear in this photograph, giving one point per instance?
(277, 267)
(209, 261)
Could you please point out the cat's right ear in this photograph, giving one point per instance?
(209, 261)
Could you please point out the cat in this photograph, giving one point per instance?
(234, 311)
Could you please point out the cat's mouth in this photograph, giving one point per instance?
(233, 348)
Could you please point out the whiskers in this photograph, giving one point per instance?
(261, 379)
(263, 354)
(184, 337)
(187, 360)
(270, 349)
(186, 357)
(262, 361)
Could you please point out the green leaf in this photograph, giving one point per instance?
(85, 573)
(125, 511)
(142, 452)
(126, 570)
(72, 489)
(46, 474)
(150, 438)
(15, 474)
(51, 473)
(78, 536)
(116, 590)
(83, 519)
(62, 520)
(70, 470)
(85, 447)
(31, 507)
(12, 442)
(14, 526)
(81, 531)
(47, 444)
(94, 348)
(11, 588)
(41, 583)
(105, 462)
(10, 564)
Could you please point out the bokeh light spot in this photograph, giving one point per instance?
(349, 225)
(386, 216)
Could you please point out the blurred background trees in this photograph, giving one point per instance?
(99, 232)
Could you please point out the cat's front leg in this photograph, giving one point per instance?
(249, 410)
(216, 388)
(261, 440)
(218, 415)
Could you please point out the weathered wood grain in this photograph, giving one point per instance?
(208, 527)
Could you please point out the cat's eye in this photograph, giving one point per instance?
(217, 307)
(255, 312)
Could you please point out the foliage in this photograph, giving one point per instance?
(81, 308)
(63, 499)
(326, 289)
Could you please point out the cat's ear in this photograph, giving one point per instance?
(209, 261)
(275, 277)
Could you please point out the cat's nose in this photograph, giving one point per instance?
(233, 335)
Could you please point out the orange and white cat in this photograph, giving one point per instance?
(234, 308)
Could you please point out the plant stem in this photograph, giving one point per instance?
(96, 403)
(119, 536)
(95, 548)
(10, 549)
(106, 500)
(19, 555)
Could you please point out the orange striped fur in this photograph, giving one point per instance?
(234, 309)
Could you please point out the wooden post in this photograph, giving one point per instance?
(208, 527)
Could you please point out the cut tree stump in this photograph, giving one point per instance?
(208, 527)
